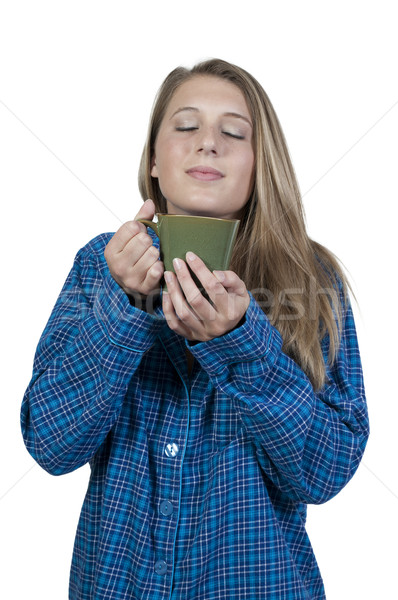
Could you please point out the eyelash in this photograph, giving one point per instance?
(236, 137)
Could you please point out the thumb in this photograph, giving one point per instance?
(146, 211)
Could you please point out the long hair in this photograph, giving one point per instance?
(297, 282)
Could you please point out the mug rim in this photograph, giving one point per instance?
(159, 214)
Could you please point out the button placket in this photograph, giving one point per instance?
(167, 509)
(170, 477)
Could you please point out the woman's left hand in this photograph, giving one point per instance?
(190, 314)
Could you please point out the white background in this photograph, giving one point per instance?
(77, 81)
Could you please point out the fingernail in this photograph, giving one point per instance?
(177, 264)
(191, 256)
(168, 276)
(220, 275)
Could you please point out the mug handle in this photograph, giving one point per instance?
(150, 224)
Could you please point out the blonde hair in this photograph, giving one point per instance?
(297, 282)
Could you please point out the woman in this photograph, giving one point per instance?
(208, 425)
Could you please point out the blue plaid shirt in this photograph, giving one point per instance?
(199, 483)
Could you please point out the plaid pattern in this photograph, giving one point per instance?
(222, 516)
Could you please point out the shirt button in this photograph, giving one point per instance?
(171, 450)
(160, 567)
(166, 508)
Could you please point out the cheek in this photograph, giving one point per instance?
(246, 169)
(168, 155)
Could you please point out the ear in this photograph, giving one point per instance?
(154, 169)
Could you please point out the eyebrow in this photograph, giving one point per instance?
(226, 114)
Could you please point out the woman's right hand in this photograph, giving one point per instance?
(132, 259)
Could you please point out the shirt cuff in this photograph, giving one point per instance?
(124, 324)
(255, 339)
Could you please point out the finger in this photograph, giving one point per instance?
(195, 299)
(153, 276)
(123, 235)
(231, 282)
(172, 319)
(146, 211)
(122, 263)
(148, 268)
(214, 289)
(182, 308)
(137, 247)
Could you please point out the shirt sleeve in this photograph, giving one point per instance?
(308, 443)
(87, 354)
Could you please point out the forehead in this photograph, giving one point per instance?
(208, 91)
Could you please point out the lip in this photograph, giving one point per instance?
(205, 173)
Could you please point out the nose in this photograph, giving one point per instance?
(207, 141)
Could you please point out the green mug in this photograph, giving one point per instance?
(210, 238)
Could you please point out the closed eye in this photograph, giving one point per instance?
(228, 133)
(234, 135)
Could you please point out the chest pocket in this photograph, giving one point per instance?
(215, 417)
(228, 424)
